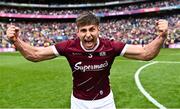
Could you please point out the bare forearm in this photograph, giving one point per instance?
(25, 49)
(152, 49)
(31, 53)
(34, 54)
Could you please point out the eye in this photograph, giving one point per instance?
(83, 30)
(92, 29)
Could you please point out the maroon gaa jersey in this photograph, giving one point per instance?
(90, 68)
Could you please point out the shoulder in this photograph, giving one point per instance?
(109, 42)
(105, 41)
(66, 46)
(116, 47)
(67, 43)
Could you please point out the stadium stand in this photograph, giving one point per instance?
(112, 9)
(132, 29)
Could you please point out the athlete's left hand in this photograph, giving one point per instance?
(162, 27)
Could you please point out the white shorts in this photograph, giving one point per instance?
(104, 103)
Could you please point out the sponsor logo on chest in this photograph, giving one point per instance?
(90, 67)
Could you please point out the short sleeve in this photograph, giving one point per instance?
(119, 47)
(61, 48)
(55, 50)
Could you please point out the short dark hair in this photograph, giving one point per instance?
(87, 18)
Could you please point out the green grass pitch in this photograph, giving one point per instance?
(48, 84)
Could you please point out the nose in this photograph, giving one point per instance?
(88, 34)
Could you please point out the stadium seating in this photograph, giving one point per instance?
(130, 30)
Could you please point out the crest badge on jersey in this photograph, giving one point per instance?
(102, 54)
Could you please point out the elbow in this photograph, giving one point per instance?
(32, 58)
(148, 57)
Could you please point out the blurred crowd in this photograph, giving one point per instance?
(111, 9)
(59, 1)
(141, 30)
(129, 30)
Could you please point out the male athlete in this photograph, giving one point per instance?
(90, 58)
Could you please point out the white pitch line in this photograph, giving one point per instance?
(169, 62)
(143, 91)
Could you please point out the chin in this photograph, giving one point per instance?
(89, 47)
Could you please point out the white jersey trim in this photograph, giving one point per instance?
(55, 50)
(92, 49)
(124, 50)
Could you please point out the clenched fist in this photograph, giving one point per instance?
(12, 33)
(162, 27)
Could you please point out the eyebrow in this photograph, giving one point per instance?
(83, 29)
(93, 27)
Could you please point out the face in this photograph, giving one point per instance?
(88, 36)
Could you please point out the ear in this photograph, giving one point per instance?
(77, 32)
(99, 28)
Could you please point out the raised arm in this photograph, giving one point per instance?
(31, 53)
(152, 49)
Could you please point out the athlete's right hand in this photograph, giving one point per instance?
(12, 33)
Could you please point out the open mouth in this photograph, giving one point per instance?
(89, 44)
(87, 41)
